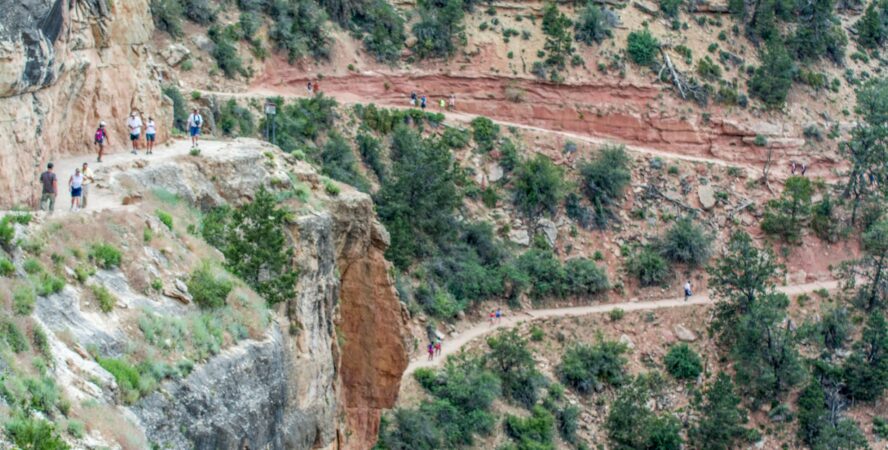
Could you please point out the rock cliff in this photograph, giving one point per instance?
(64, 66)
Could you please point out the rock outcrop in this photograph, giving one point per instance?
(64, 66)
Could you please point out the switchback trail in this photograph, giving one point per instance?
(452, 346)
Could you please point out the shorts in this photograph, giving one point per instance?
(76, 192)
(100, 142)
(149, 137)
(194, 131)
(135, 137)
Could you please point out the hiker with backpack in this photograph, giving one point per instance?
(134, 123)
(422, 102)
(194, 123)
(687, 289)
(431, 349)
(101, 138)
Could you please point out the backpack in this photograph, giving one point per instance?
(100, 135)
(198, 120)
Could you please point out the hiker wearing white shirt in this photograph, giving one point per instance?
(135, 128)
(194, 123)
(687, 288)
(75, 185)
(150, 133)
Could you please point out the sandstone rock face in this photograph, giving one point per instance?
(298, 389)
(64, 66)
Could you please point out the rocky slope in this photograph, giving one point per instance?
(64, 66)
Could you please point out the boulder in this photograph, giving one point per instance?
(707, 197)
(202, 42)
(519, 236)
(683, 334)
(494, 173)
(175, 54)
(549, 229)
(627, 341)
(646, 7)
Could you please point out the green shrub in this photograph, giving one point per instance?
(167, 16)
(199, 11)
(302, 120)
(604, 179)
(513, 363)
(439, 24)
(41, 342)
(771, 81)
(104, 297)
(643, 47)
(559, 43)
(32, 266)
(180, 109)
(235, 120)
(594, 24)
(880, 427)
(686, 242)
(787, 216)
(165, 218)
(48, 284)
(670, 7)
(872, 27)
(538, 186)
(455, 138)
(384, 28)
(631, 424)
(485, 133)
(371, 153)
(126, 375)
(225, 53)
(13, 336)
(588, 368)
(105, 256)
(535, 431)
(339, 162)
(616, 314)
(683, 362)
(536, 333)
(76, 429)
(648, 267)
(584, 277)
(23, 299)
(7, 268)
(208, 289)
(708, 69)
(7, 232)
(34, 433)
(544, 273)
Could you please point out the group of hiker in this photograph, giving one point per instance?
(434, 349)
(798, 167)
(312, 87)
(80, 181)
(495, 316)
(422, 101)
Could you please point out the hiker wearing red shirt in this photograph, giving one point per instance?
(491, 317)
(431, 351)
(438, 348)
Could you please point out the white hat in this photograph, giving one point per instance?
(102, 123)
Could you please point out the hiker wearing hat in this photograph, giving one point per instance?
(50, 184)
(101, 139)
(150, 133)
(135, 128)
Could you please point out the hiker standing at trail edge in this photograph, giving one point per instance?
(452, 102)
(438, 348)
(88, 180)
(75, 183)
(135, 128)
(50, 184)
(150, 135)
(687, 288)
(194, 123)
(413, 98)
(101, 139)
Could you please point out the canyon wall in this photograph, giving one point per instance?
(64, 66)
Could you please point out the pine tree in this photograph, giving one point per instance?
(771, 81)
(867, 150)
(871, 28)
(721, 419)
(786, 216)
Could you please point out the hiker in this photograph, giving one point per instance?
(804, 168)
(75, 183)
(150, 134)
(135, 128)
(308, 87)
(101, 139)
(438, 348)
(442, 104)
(431, 349)
(194, 123)
(499, 315)
(50, 184)
(413, 99)
(88, 180)
(687, 288)
(452, 105)
(315, 88)
(792, 166)
(422, 102)
(491, 317)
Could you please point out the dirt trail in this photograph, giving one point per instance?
(593, 114)
(452, 346)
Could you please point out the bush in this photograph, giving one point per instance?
(872, 27)
(588, 368)
(787, 216)
(165, 218)
(127, 377)
(687, 243)
(513, 362)
(648, 267)
(339, 162)
(538, 186)
(455, 138)
(537, 334)
(104, 297)
(682, 362)
(32, 266)
(558, 45)
(584, 277)
(708, 69)
(371, 154)
(105, 256)
(23, 299)
(616, 314)
(439, 23)
(631, 424)
(167, 16)
(384, 30)
(235, 120)
(7, 232)
(298, 28)
(535, 431)
(771, 81)
(225, 53)
(643, 47)
(605, 177)
(207, 289)
(544, 273)
(199, 11)
(180, 110)
(7, 268)
(34, 433)
(48, 284)
(12, 334)
(485, 133)
(670, 7)
(594, 24)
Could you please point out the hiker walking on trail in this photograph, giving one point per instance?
(442, 104)
(422, 102)
(150, 134)
(499, 315)
(792, 167)
(101, 138)
(438, 348)
(687, 289)
(135, 129)
(308, 87)
(804, 168)
(194, 123)
(491, 317)
(315, 88)
(413, 99)
(431, 350)
(88, 180)
(75, 184)
(452, 102)
(50, 184)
